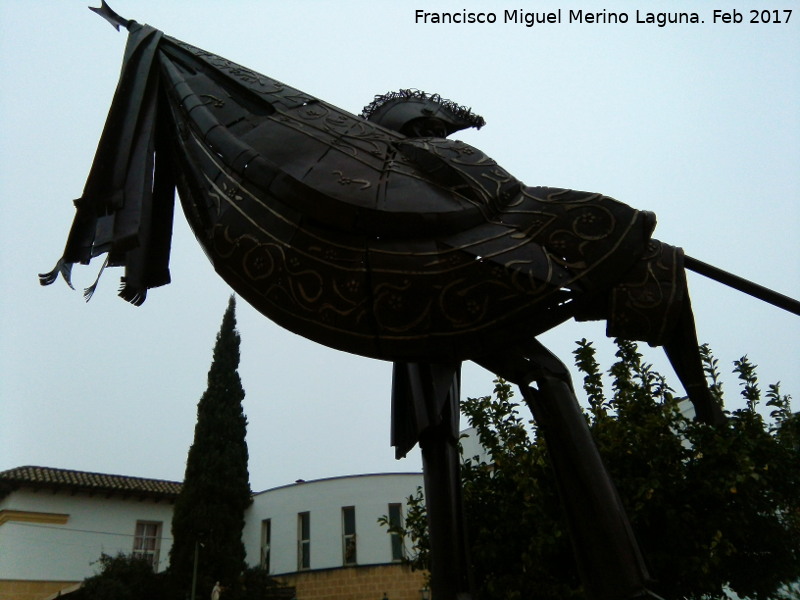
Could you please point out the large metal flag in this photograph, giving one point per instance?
(350, 233)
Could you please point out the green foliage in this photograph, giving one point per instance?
(712, 507)
(216, 488)
(123, 577)
(413, 530)
(518, 538)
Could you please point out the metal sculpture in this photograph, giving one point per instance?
(377, 235)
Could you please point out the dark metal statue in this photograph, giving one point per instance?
(377, 235)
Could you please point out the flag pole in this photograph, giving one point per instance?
(742, 284)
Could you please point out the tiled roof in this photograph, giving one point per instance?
(64, 479)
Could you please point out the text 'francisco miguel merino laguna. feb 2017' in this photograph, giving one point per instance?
(604, 17)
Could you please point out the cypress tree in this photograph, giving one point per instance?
(209, 512)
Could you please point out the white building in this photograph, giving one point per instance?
(315, 536)
(327, 523)
(54, 524)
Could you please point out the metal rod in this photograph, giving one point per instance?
(743, 285)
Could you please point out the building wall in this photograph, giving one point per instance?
(52, 551)
(397, 582)
(324, 499)
(34, 590)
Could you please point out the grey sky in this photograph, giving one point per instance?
(698, 123)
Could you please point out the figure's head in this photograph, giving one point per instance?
(417, 114)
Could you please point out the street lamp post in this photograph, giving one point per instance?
(194, 567)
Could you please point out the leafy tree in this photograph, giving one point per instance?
(123, 577)
(713, 508)
(209, 512)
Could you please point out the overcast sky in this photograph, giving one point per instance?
(696, 122)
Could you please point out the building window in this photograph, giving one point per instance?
(303, 541)
(349, 535)
(396, 522)
(147, 541)
(266, 540)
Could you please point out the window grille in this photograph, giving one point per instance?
(266, 540)
(396, 520)
(147, 542)
(349, 535)
(303, 541)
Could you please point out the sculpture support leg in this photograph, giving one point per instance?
(609, 560)
(425, 409)
(450, 578)
(608, 556)
(682, 351)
